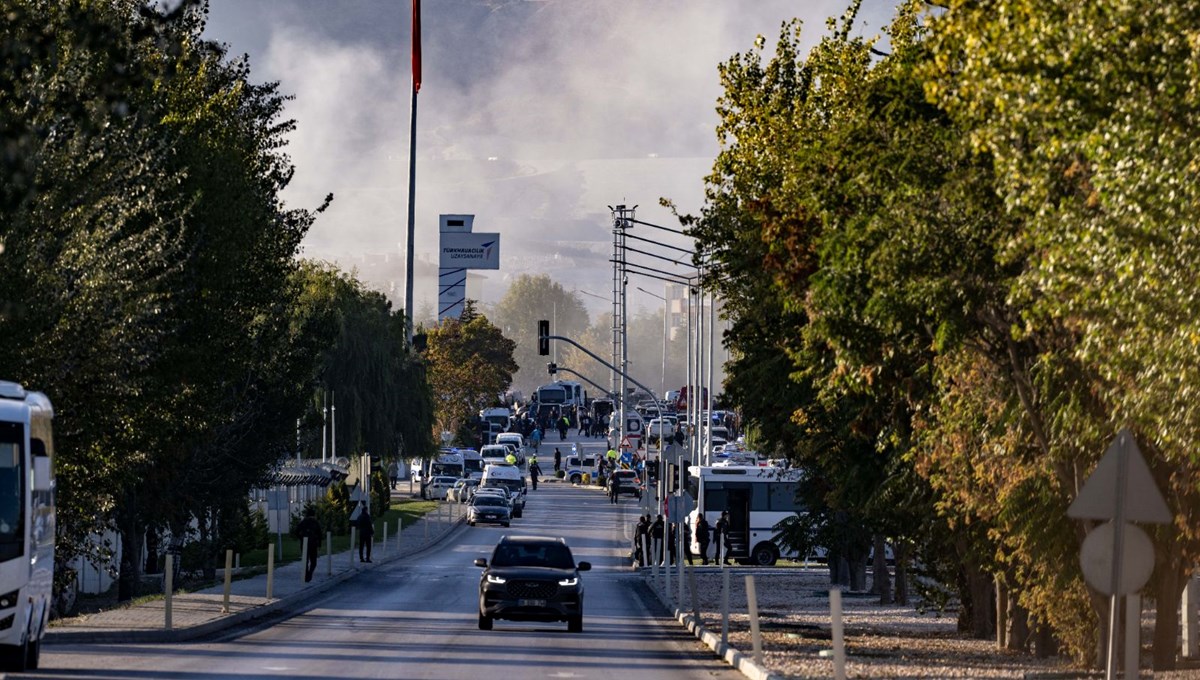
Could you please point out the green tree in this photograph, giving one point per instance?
(470, 364)
(529, 299)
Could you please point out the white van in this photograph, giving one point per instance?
(509, 477)
(575, 465)
(517, 441)
(493, 454)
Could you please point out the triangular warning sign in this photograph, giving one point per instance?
(1141, 499)
(625, 443)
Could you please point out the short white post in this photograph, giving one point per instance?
(353, 540)
(228, 580)
(692, 589)
(383, 547)
(270, 571)
(679, 553)
(425, 521)
(654, 560)
(752, 610)
(667, 566)
(237, 561)
(303, 557)
(724, 600)
(329, 553)
(1191, 602)
(168, 588)
(645, 550)
(839, 646)
(399, 528)
(1133, 635)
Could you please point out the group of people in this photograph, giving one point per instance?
(651, 534)
(310, 528)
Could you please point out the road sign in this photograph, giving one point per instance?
(357, 494)
(625, 443)
(1096, 559)
(1141, 499)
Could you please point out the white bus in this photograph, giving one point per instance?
(757, 498)
(26, 524)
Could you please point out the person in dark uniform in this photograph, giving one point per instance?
(656, 538)
(721, 535)
(641, 532)
(366, 532)
(614, 488)
(557, 459)
(702, 537)
(310, 528)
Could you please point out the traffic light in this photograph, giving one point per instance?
(544, 337)
(552, 368)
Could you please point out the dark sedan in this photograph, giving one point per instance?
(488, 509)
(531, 579)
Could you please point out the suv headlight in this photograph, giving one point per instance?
(572, 581)
(496, 579)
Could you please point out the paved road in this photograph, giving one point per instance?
(417, 619)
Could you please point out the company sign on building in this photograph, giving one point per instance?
(467, 250)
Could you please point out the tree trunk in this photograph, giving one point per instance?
(1018, 631)
(901, 573)
(1170, 579)
(881, 580)
(131, 542)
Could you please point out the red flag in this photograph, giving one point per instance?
(416, 45)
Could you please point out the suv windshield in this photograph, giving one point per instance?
(513, 554)
(488, 499)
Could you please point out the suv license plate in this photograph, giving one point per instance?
(531, 603)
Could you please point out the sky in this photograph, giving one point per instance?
(533, 115)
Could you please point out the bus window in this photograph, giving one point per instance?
(783, 498)
(715, 497)
(693, 487)
(759, 500)
(12, 506)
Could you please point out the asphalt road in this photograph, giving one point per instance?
(417, 619)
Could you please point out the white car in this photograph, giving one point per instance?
(438, 486)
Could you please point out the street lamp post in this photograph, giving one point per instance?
(662, 386)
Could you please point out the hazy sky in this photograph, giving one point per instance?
(533, 115)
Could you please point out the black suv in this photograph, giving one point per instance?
(531, 579)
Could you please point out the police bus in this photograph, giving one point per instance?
(757, 498)
(26, 524)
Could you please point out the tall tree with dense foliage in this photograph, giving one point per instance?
(528, 299)
(470, 364)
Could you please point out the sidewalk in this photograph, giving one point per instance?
(197, 614)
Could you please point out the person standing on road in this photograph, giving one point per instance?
(534, 471)
(702, 537)
(585, 425)
(563, 425)
(557, 459)
(721, 536)
(310, 528)
(535, 438)
(614, 488)
(656, 539)
(366, 532)
(642, 531)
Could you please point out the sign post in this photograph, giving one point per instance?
(1121, 489)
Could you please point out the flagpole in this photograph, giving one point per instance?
(412, 172)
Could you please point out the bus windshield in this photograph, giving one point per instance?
(552, 395)
(12, 490)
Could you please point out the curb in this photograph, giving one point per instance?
(288, 602)
(741, 662)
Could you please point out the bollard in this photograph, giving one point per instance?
(654, 561)
(752, 610)
(839, 645)
(645, 551)
(303, 558)
(228, 580)
(237, 561)
(425, 521)
(724, 600)
(667, 567)
(270, 571)
(383, 548)
(679, 558)
(168, 587)
(692, 590)
(1133, 635)
(399, 528)
(329, 553)
(353, 536)
(1190, 604)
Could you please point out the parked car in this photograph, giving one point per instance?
(462, 490)
(664, 426)
(531, 579)
(438, 486)
(487, 508)
(630, 482)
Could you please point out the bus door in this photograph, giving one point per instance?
(738, 504)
